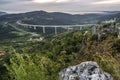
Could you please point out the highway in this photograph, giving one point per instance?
(63, 26)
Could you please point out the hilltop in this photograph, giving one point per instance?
(58, 18)
(2, 13)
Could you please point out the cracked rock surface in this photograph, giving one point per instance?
(84, 71)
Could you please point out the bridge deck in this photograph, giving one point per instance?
(85, 25)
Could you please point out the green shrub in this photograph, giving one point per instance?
(23, 67)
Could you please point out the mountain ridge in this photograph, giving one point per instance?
(2, 13)
(58, 18)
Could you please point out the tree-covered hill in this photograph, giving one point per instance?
(2, 13)
(58, 18)
(43, 60)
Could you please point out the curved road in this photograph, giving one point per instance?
(63, 26)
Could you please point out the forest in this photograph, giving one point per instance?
(43, 60)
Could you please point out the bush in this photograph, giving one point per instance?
(23, 67)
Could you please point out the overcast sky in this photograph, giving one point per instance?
(69, 6)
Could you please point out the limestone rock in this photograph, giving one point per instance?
(84, 71)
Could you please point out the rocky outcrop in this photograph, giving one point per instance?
(85, 71)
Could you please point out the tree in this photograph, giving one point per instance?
(24, 67)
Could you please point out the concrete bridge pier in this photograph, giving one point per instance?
(30, 26)
(68, 28)
(94, 30)
(118, 32)
(43, 29)
(25, 26)
(55, 29)
(34, 27)
(80, 27)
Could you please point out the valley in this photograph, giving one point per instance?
(60, 41)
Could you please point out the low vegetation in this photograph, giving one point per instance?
(43, 60)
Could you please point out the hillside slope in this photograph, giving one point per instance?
(2, 13)
(67, 49)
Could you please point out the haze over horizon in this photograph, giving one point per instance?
(66, 6)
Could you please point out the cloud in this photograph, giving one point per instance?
(4, 1)
(71, 6)
(108, 2)
(52, 1)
